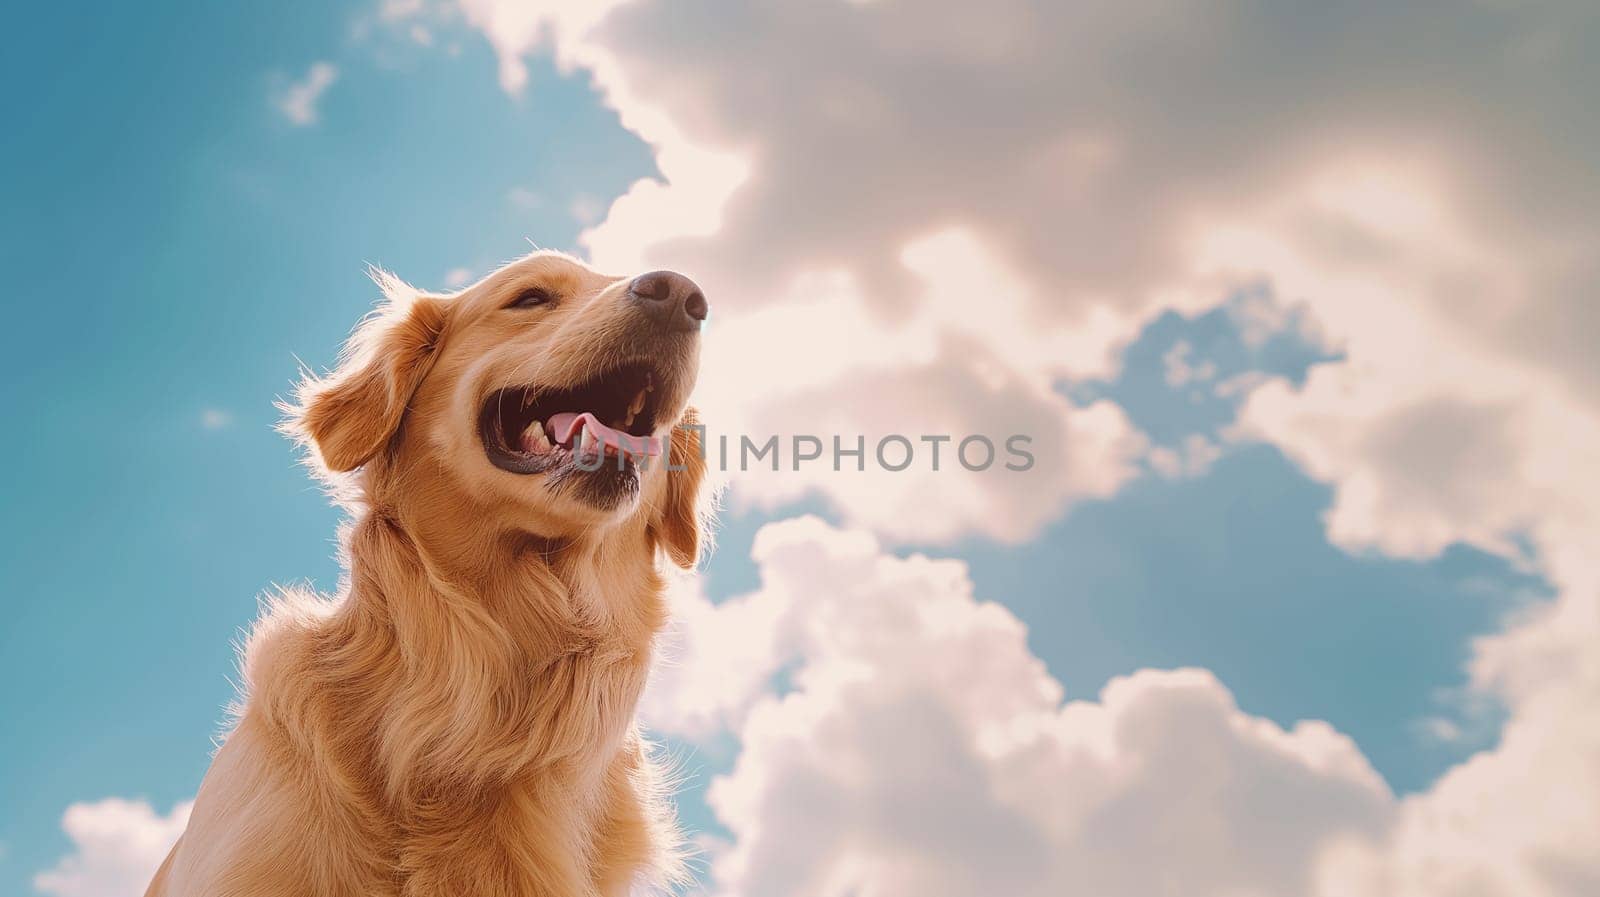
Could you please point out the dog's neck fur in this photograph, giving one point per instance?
(453, 639)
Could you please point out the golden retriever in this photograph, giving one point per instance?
(459, 721)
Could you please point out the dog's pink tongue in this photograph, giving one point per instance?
(566, 426)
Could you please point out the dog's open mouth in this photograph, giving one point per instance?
(532, 429)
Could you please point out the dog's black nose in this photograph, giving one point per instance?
(672, 300)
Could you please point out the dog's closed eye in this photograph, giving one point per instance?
(533, 297)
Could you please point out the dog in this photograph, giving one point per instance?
(518, 462)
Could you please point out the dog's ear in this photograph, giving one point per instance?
(349, 415)
(679, 526)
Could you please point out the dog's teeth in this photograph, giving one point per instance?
(637, 404)
(534, 439)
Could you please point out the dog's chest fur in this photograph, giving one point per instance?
(452, 733)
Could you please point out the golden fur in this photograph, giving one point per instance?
(459, 719)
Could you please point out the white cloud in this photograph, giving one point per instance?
(298, 101)
(215, 418)
(1259, 316)
(117, 846)
(1521, 820)
(518, 28)
(920, 748)
(1101, 189)
(923, 750)
(713, 662)
(839, 372)
(457, 278)
(944, 267)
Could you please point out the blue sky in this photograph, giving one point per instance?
(176, 245)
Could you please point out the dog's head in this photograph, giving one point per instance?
(548, 397)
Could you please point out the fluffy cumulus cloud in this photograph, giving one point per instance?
(117, 846)
(898, 737)
(952, 435)
(984, 200)
(1444, 422)
(921, 749)
(1037, 179)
